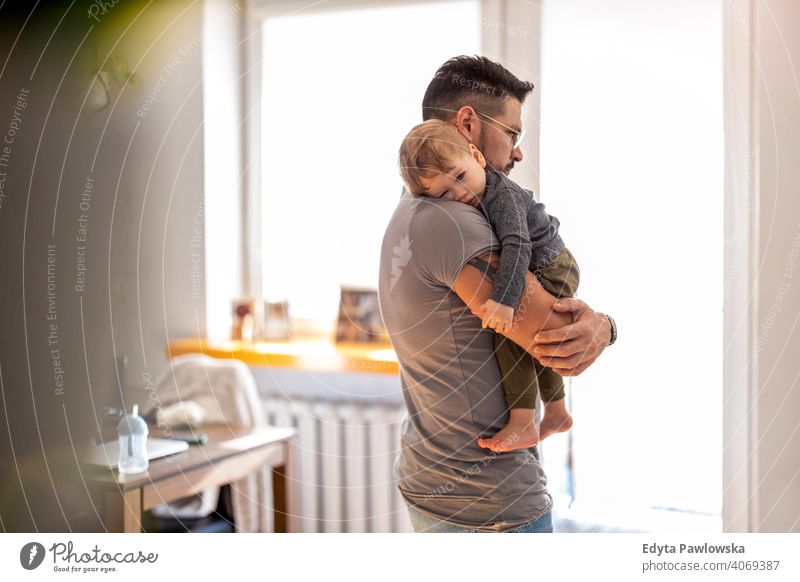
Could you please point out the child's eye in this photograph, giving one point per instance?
(460, 176)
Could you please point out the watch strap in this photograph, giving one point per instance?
(613, 325)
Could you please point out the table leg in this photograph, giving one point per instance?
(123, 511)
(279, 492)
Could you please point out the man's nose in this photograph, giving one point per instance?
(516, 154)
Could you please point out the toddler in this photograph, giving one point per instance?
(437, 161)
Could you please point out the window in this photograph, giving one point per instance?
(340, 91)
(632, 164)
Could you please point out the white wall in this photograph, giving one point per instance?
(157, 262)
(777, 400)
(141, 146)
(762, 432)
(510, 35)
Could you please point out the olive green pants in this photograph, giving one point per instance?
(523, 376)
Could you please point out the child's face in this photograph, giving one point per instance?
(466, 182)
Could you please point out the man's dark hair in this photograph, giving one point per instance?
(475, 81)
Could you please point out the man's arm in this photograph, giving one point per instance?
(567, 339)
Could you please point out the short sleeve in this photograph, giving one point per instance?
(447, 235)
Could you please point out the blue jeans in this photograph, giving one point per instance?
(423, 523)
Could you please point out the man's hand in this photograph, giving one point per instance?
(495, 315)
(569, 350)
(575, 334)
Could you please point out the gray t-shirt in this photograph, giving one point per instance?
(450, 379)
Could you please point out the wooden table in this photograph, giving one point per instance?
(230, 454)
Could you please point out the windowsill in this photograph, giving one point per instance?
(320, 355)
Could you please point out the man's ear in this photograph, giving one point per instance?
(466, 122)
(477, 155)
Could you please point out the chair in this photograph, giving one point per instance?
(226, 391)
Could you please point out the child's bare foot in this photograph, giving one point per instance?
(519, 433)
(556, 419)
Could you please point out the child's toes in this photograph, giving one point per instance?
(499, 446)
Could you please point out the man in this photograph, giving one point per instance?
(436, 269)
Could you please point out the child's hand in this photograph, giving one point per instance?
(496, 316)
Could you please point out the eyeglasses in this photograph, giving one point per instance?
(515, 136)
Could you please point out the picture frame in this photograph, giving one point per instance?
(360, 318)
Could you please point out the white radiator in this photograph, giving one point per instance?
(343, 465)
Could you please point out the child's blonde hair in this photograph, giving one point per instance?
(429, 149)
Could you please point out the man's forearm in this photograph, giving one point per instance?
(534, 312)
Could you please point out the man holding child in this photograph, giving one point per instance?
(438, 262)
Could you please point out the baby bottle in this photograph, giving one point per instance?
(132, 432)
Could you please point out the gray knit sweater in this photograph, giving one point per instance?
(528, 235)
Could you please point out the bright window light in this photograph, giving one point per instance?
(632, 164)
(340, 91)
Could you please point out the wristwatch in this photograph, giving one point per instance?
(613, 325)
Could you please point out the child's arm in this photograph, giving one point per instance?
(508, 217)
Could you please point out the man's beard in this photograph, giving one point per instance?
(482, 147)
